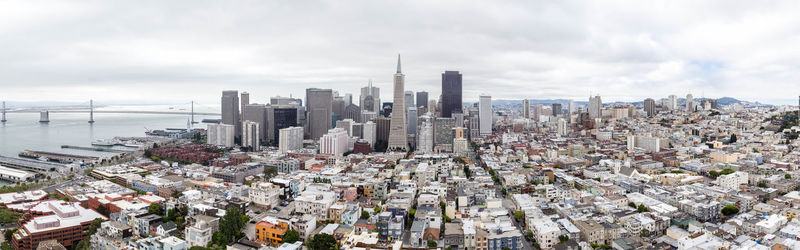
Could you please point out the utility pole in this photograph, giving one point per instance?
(91, 111)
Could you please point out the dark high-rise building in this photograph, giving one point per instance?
(284, 116)
(230, 110)
(387, 109)
(556, 109)
(451, 93)
(649, 107)
(422, 99)
(320, 109)
(337, 107)
(382, 125)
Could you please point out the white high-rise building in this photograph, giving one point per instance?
(347, 125)
(595, 107)
(570, 106)
(526, 108)
(425, 137)
(485, 113)
(370, 133)
(221, 134)
(398, 132)
(290, 138)
(538, 111)
(335, 142)
(673, 102)
(562, 127)
(250, 135)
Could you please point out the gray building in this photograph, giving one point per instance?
(422, 99)
(230, 110)
(443, 133)
(319, 108)
(256, 113)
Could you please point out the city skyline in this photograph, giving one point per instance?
(625, 52)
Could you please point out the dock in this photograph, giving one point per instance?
(111, 150)
(32, 165)
(58, 157)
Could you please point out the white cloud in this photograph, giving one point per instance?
(182, 50)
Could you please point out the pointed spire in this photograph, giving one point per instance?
(398, 63)
(370, 86)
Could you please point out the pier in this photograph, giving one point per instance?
(111, 150)
(32, 165)
(58, 157)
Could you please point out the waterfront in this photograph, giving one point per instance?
(23, 130)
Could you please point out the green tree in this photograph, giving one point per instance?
(364, 215)
(730, 210)
(762, 184)
(518, 215)
(713, 173)
(787, 176)
(641, 209)
(727, 171)
(9, 233)
(95, 225)
(291, 236)
(563, 238)
(230, 226)
(644, 233)
(733, 138)
(432, 243)
(322, 242)
(7, 216)
(631, 204)
(377, 209)
(154, 209)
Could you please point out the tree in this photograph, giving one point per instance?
(713, 173)
(95, 225)
(641, 208)
(322, 242)
(154, 209)
(432, 243)
(762, 184)
(102, 209)
(291, 236)
(787, 176)
(563, 238)
(730, 210)
(733, 138)
(529, 236)
(518, 215)
(377, 209)
(364, 215)
(7, 216)
(631, 204)
(727, 171)
(230, 226)
(644, 233)
(9, 233)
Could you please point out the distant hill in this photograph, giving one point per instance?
(727, 101)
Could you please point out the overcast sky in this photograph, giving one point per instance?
(176, 51)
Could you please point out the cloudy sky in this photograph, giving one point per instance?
(176, 51)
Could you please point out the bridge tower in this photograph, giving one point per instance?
(4, 112)
(193, 122)
(91, 111)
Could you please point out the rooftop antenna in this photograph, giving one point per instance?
(91, 111)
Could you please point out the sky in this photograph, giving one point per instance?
(118, 52)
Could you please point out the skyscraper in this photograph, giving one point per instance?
(398, 134)
(595, 107)
(451, 93)
(538, 110)
(256, 113)
(410, 99)
(370, 133)
(319, 108)
(230, 110)
(649, 107)
(562, 127)
(570, 106)
(245, 99)
(370, 98)
(526, 108)
(411, 116)
(220, 134)
(556, 109)
(689, 103)
(251, 135)
(485, 112)
(673, 102)
(422, 99)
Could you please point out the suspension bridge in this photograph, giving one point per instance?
(89, 109)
